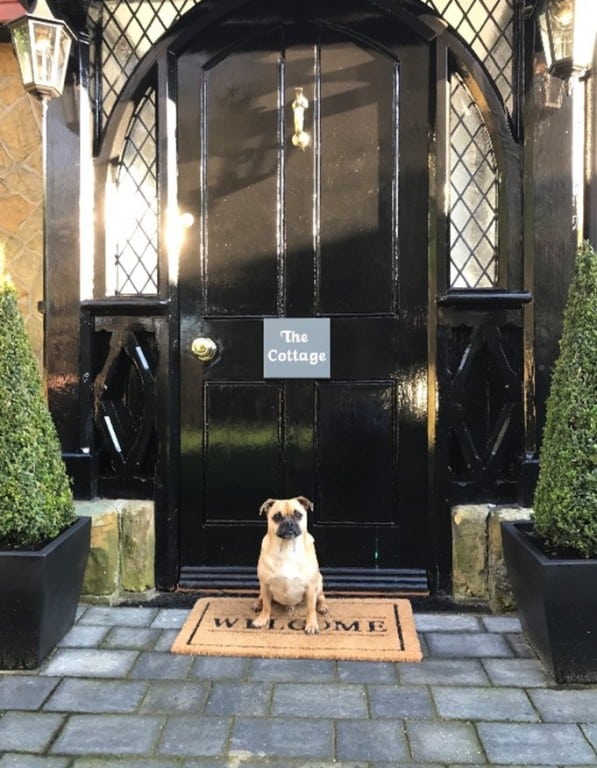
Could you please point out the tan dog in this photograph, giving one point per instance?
(288, 570)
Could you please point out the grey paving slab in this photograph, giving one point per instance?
(283, 738)
(525, 673)
(446, 622)
(371, 740)
(590, 732)
(139, 638)
(191, 737)
(119, 616)
(32, 761)
(505, 624)
(165, 640)
(101, 696)
(443, 671)
(158, 666)
(28, 731)
(394, 701)
(237, 761)
(508, 704)
(543, 743)
(89, 662)
(367, 672)
(84, 636)
(219, 668)
(108, 735)
(574, 706)
(240, 760)
(331, 700)
(303, 670)
(25, 691)
(175, 697)
(102, 762)
(407, 765)
(444, 742)
(170, 618)
(468, 644)
(520, 646)
(246, 699)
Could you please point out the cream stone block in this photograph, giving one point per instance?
(103, 565)
(501, 599)
(137, 547)
(469, 551)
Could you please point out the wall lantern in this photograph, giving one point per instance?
(42, 44)
(568, 35)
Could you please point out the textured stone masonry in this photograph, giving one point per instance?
(121, 560)
(478, 569)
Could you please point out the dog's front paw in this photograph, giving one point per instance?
(261, 621)
(322, 608)
(257, 606)
(312, 628)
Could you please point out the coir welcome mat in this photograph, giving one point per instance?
(365, 629)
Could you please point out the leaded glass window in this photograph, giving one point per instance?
(134, 219)
(125, 30)
(473, 194)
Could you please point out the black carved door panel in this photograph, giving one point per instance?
(337, 230)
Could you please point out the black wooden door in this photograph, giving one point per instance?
(337, 229)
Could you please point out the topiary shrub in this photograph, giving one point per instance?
(566, 494)
(36, 502)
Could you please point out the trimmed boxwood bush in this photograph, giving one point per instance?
(566, 495)
(36, 502)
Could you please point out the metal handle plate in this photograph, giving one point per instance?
(204, 349)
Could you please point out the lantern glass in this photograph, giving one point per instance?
(42, 46)
(568, 34)
(585, 30)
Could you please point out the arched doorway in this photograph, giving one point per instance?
(336, 231)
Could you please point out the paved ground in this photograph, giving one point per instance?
(112, 695)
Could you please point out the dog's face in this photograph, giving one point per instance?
(286, 518)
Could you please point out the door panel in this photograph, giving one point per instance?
(243, 423)
(355, 442)
(338, 230)
(357, 164)
(240, 193)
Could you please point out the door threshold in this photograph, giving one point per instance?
(406, 582)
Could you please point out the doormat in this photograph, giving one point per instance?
(364, 629)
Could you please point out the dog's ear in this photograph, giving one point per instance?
(308, 505)
(266, 506)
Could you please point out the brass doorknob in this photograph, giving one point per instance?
(203, 348)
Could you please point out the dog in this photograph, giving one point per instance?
(287, 568)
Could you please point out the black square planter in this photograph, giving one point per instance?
(556, 601)
(39, 592)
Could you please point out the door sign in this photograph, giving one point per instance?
(296, 348)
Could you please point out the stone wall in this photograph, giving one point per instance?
(121, 563)
(21, 193)
(478, 568)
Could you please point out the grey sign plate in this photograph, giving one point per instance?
(296, 348)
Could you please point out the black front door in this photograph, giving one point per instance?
(335, 229)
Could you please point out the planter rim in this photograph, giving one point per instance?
(79, 522)
(518, 528)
